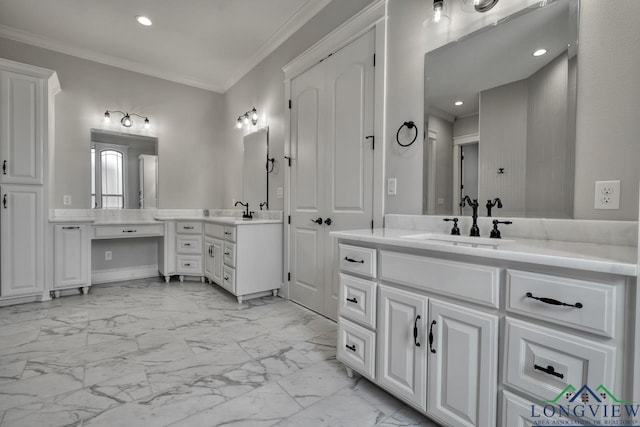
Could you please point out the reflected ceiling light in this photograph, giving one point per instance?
(438, 5)
(539, 52)
(477, 5)
(143, 20)
(126, 120)
(458, 103)
(250, 117)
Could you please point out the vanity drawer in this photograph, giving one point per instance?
(356, 347)
(470, 282)
(359, 260)
(189, 264)
(519, 412)
(357, 300)
(214, 230)
(123, 231)
(542, 362)
(229, 254)
(189, 244)
(230, 233)
(188, 227)
(229, 279)
(596, 302)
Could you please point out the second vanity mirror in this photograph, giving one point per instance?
(255, 169)
(124, 170)
(500, 110)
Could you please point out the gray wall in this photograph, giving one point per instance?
(263, 88)
(187, 121)
(608, 119)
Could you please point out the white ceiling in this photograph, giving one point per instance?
(208, 44)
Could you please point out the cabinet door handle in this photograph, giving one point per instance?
(71, 228)
(227, 253)
(4, 167)
(353, 300)
(226, 277)
(548, 370)
(361, 261)
(552, 301)
(351, 347)
(433, 323)
(187, 264)
(226, 233)
(415, 331)
(187, 244)
(4, 201)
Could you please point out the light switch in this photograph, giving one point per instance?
(66, 200)
(392, 186)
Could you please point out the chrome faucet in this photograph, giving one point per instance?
(246, 214)
(496, 202)
(473, 204)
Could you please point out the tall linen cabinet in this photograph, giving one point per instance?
(26, 132)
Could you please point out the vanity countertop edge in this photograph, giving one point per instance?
(621, 260)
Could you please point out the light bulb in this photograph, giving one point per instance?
(107, 116)
(245, 119)
(254, 115)
(239, 123)
(126, 121)
(437, 10)
(147, 124)
(143, 20)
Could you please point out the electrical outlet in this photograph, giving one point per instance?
(108, 255)
(392, 186)
(607, 195)
(66, 200)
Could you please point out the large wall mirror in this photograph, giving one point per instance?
(255, 169)
(124, 170)
(500, 110)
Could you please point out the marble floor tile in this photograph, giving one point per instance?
(147, 353)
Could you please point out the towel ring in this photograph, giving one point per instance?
(409, 125)
(271, 162)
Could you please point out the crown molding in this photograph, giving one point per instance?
(293, 24)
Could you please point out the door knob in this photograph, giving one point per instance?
(328, 221)
(317, 221)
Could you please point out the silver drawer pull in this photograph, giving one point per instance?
(71, 228)
(354, 260)
(187, 264)
(353, 300)
(548, 370)
(129, 231)
(187, 244)
(188, 227)
(351, 347)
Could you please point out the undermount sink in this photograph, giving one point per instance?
(468, 241)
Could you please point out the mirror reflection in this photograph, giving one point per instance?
(255, 167)
(500, 114)
(124, 170)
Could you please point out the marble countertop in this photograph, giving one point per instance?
(226, 220)
(612, 259)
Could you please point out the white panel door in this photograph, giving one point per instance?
(72, 251)
(463, 365)
(402, 357)
(348, 175)
(332, 168)
(308, 127)
(22, 245)
(21, 124)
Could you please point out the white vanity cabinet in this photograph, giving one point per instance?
(245, 259)
(72, 257)
(189, 257)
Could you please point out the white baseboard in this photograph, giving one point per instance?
(120, 274)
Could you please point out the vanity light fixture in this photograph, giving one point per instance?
(126, 118)
(539, 52)
(143, 20)
(250, 116)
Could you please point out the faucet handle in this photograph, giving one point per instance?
(455, 231)
(495, 233)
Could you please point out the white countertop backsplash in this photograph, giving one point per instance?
(618, 233)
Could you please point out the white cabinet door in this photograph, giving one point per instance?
(21, 128)
(463, 346)
(22, 248)
(72, 251)
(402, 357)
(208, 258)
(216, 272)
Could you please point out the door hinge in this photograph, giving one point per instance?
(289, 276)
(289, 220)
(374, 59)
(373, 141)
(289, 104)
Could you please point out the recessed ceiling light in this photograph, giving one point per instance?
(143, 20)
(458, 103)
(539, 52)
